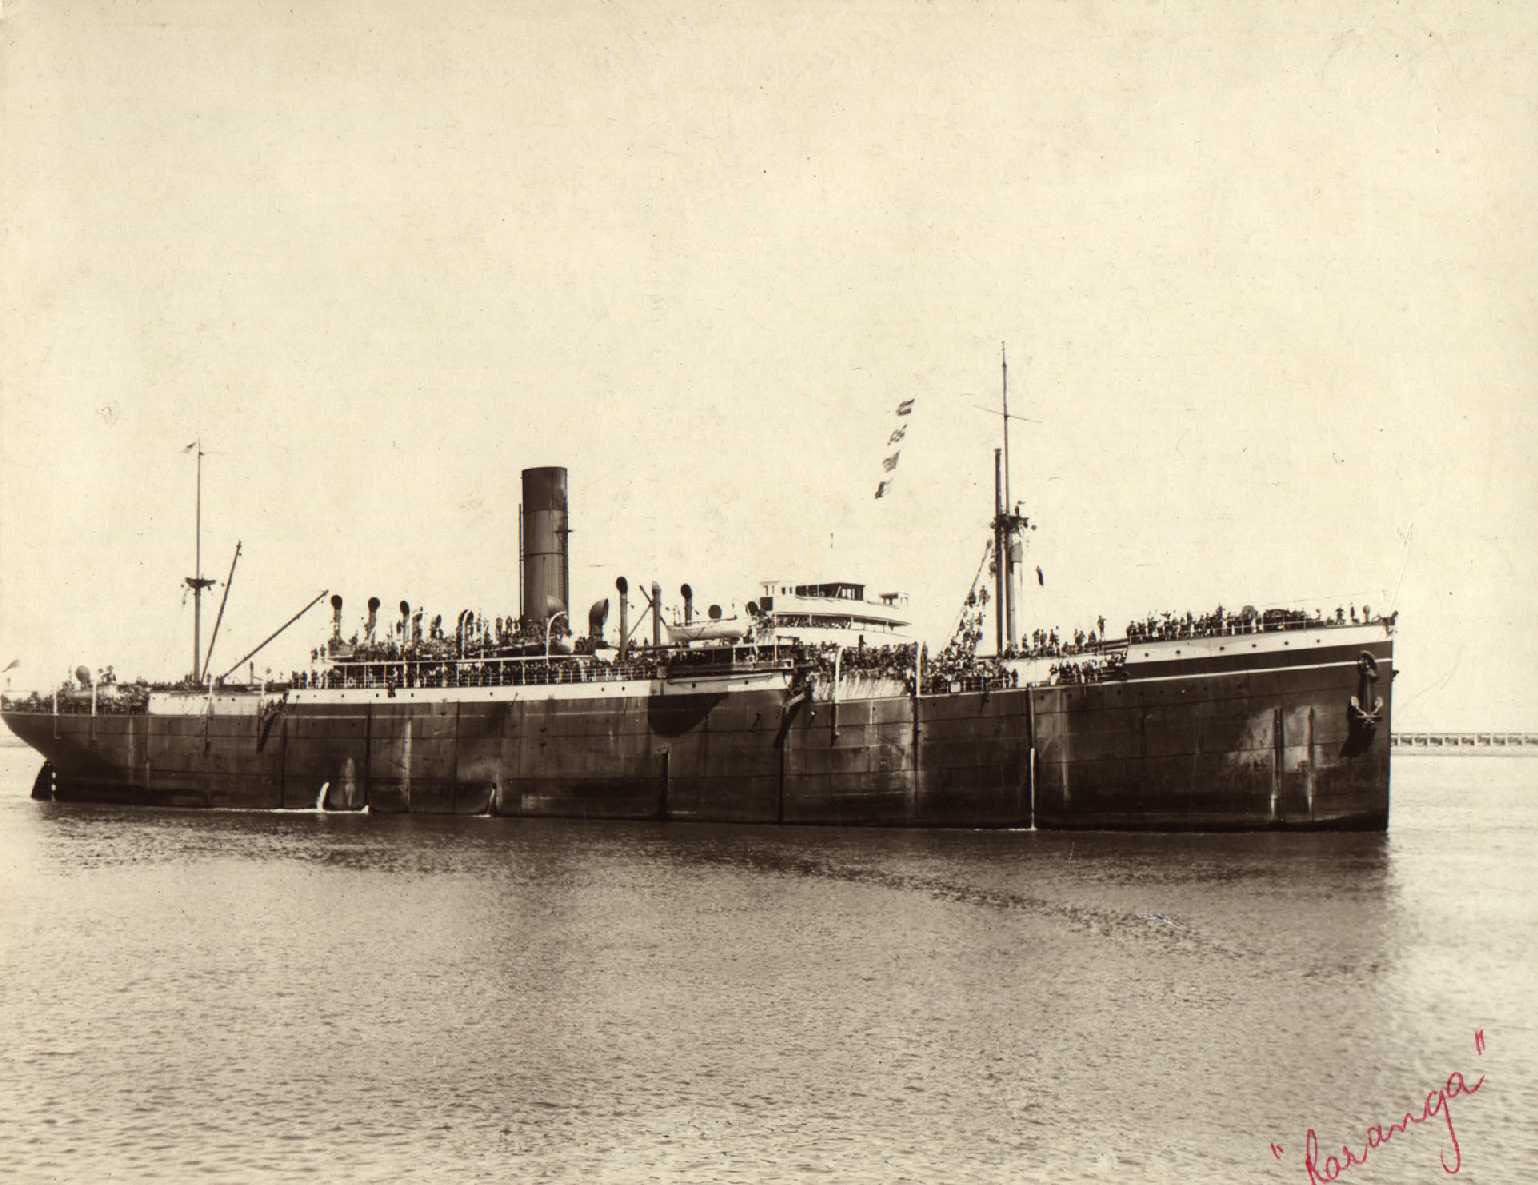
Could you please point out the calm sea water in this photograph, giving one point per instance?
(298, 997)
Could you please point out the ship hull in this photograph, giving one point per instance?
(958, 761)
(1270, 748)
(1198, 742)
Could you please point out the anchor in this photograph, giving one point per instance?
(1364, 720)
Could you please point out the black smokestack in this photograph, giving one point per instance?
(546, 568)
(656, 615)
(373, 617)
(688, 595)
(336, 616)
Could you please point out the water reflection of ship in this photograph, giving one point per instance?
(812, 705)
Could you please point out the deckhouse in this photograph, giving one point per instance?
(835, 611)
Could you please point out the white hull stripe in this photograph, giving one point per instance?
(1315, 666)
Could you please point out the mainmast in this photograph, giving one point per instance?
(1007, 526)
(196, 582)
(1011, 546)
(1000, 551)
(1004, 367)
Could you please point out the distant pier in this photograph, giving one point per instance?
(1493, 743)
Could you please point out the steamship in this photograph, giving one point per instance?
(779, 715)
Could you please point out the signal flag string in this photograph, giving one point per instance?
(889, 464)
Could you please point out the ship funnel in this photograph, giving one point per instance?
(622, 586)
(753, 609)
(336, 616)
(597, 615)
(715, 612)
(688, 595)
(83, 675)
(373, 617)
(656, 615)
(546, 568)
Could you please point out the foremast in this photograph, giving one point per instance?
(197, 582)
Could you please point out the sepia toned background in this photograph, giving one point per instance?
(1267, 277)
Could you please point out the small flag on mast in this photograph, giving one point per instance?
(896, 437)
(905, 407)
(1040, 579)
(190, 447)
(890, 463)
(12, 665)
(882, 488)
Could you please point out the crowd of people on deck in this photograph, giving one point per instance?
(75, 694)
(509, 651)
(954, 667)
(1111, 665)
(960, 665)
(477, 637)
(893, 662)
(473, 636)
(428, 670)
(1248, 620)
(479, 651)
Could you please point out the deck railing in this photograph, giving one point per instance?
(1466, 742)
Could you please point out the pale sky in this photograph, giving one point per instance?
(1267, 274)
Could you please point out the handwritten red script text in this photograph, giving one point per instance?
(1438, 1105)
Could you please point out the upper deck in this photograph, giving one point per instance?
(834, 611)
(434, 673)
(1232, 646)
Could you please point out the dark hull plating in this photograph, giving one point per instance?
(1273, 748)
(1208, 750)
